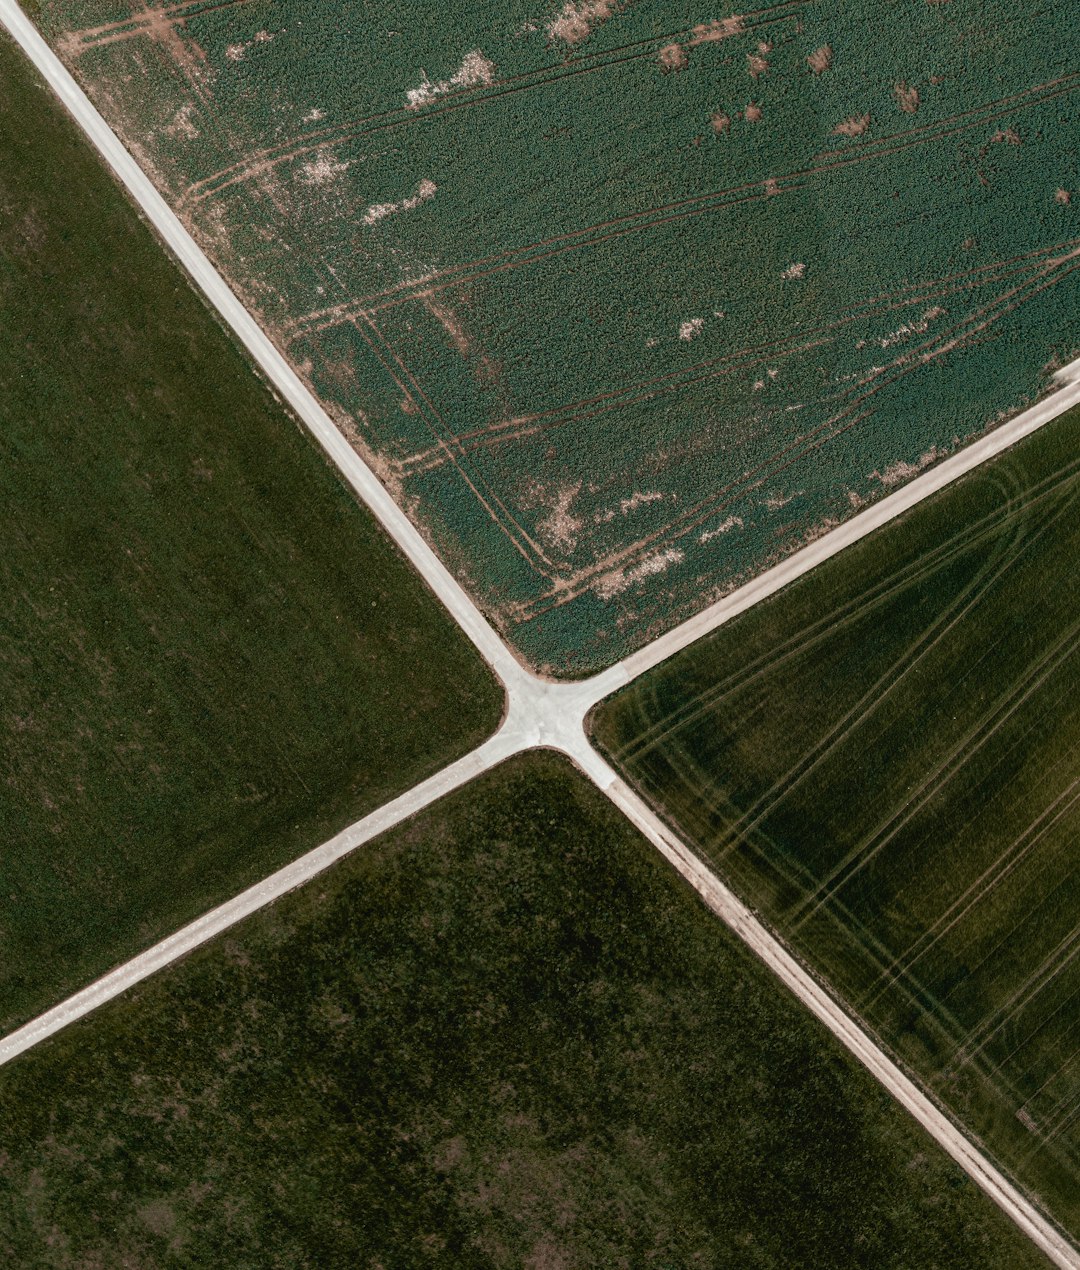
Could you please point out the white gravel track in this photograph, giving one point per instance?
(538, 712)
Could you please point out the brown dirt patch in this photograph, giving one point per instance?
(559, 529)
(1063, 197)
(673, 57)
(757, 65)
(906, 98)
(752, 113)
(900, 471)
(1007, 136)
(577, 19)
(721, 122)
(379, 211)
(171, 33)
(485, 370)
(820, 59)
(717, 29)
(853, 126)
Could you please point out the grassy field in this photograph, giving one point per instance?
(884, 759)
(210, 657)
(624, 301)
(504, 1035)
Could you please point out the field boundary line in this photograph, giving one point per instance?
(539, 713)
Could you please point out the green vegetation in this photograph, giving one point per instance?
(210, 658)
(625, 300)
(506, 1034)
(883, 759)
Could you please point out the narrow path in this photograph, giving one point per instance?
(219, 919)
(538, 712)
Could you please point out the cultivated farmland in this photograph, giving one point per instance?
(211, 659)
(623, 300)
(503, 1035)
(884, 760)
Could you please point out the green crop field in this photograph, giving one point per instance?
(211, 659)
(623, 299)
(505, 1034)
(884, 760)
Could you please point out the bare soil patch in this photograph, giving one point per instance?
(577, 19)
(673, 57)
(475, 70)
(906, 98)
(718, 29)
(820, 59)
(853, 126)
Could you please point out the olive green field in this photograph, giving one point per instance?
(505, 1034)
(884, 761)
(211, 658)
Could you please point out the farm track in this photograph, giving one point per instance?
(962, 605)
(1010, 859)
(984, 730)
(964, 539)
(460, 99)
(539, 712)
(743, 825)
(526, 546)
(527, 425)
(665, 213)
(568, 587)
(141, 20)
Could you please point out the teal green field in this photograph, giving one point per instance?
(884, 761)
(504, 1035)
(211, 658)
(624, 301)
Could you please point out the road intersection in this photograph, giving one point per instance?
(539, 712)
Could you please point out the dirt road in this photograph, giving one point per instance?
(539, 713)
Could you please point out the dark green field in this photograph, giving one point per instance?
(210, 657)
(506, 1034)
(884, 759)
(622, 300)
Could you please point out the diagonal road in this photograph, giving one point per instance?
(538, 712)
